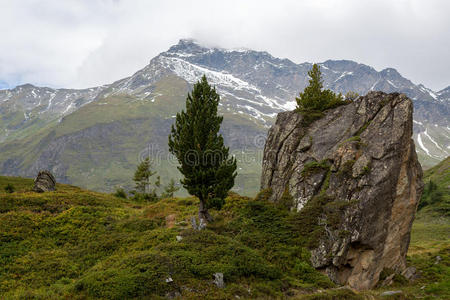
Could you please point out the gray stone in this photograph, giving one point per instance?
(410, 273)
(438, 260)
(390, 293)
(201, 225)
(373, 175)
(218, 280)
(44, 182)
(169, 279)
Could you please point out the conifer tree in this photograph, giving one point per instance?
(142, 176)
(208, 170)
(170, 189)
(313, 97)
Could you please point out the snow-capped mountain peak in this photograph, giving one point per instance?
(251, 83)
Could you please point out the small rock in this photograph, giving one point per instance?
(218, 280)
(200, 226)
(44, 182)
(410, 273)
(179, 238)
(391, 293)
(438, 260)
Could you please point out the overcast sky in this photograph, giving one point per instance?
(82, 43)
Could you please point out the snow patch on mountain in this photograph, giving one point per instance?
(192, 73)
(419, 140)
(343, 75)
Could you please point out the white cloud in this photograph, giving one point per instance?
(90, 42)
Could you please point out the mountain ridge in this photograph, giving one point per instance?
(42, 127)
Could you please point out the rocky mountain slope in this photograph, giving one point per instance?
(354, 175)
(94, 137)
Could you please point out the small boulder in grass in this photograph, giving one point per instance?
(44, 182)
(218, 280)
(391, 293)
(410, 273)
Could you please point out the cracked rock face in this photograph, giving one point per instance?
(361, 159)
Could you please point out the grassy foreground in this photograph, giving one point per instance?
(78, 244)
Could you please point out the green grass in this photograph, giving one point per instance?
(80, 244)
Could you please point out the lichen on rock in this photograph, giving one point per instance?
(355, 173)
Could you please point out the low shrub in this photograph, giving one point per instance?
(120, 193)
(9, 188)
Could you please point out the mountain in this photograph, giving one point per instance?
(95, 137)
(444, 95)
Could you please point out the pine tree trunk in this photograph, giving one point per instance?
(203, 213)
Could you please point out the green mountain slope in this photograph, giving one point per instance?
(79, 244)
(99, 145)
(435, 201)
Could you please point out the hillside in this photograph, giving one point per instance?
(99, 145)
(435, 200)
(80, 244)
(94, 137)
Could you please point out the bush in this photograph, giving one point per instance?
(120, 193)
(145, 197)
(351, 95)
(286, 201)
(216, 203)
(431, 194)
(9, 188)
(264, 195)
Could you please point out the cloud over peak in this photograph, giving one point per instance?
(91, 42)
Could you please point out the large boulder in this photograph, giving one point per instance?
(355, 173)
(44, 182)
